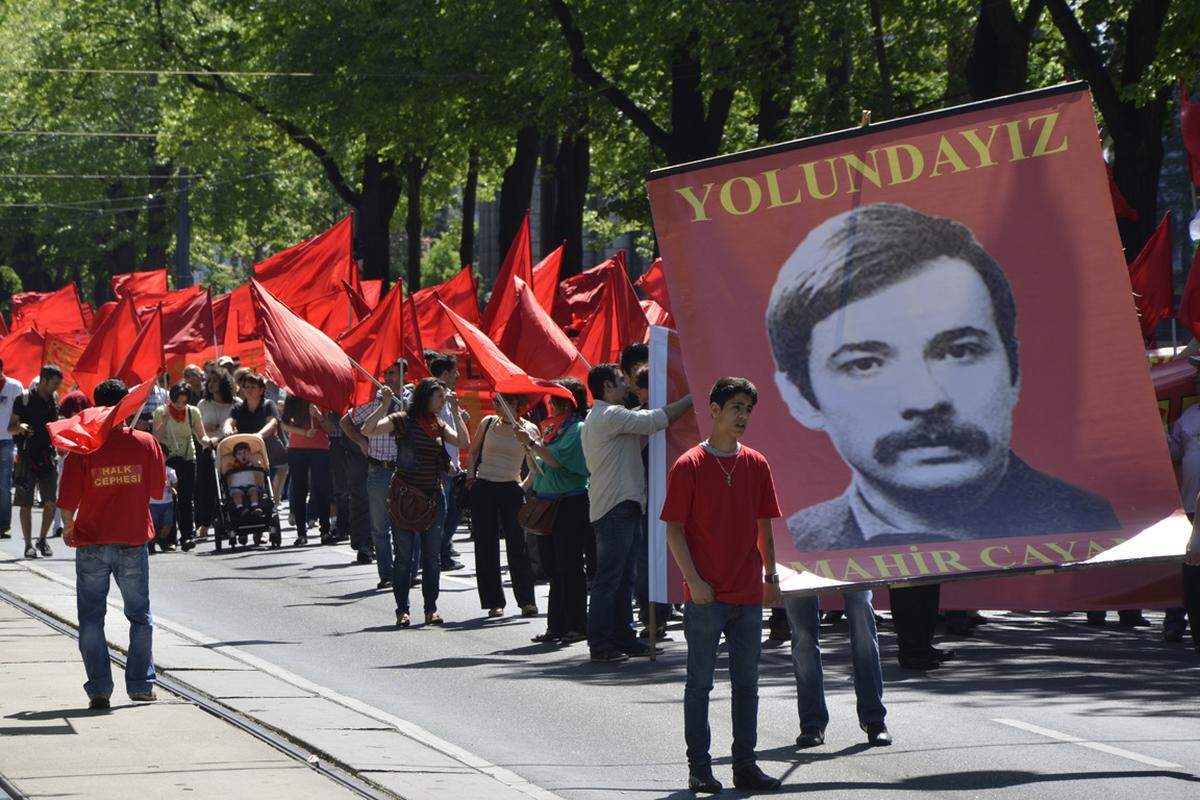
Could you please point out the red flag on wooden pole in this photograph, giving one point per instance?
(517, 263)
(135, 283)
(654, 283)
(617, 322)
(459, 293)
(536, 344)
(376, 342)
(146, 359)
(87, 431)
(21, 354)
(55, 312)
(1150, 277)
(111, 342)
(545, 278)
(312, 270)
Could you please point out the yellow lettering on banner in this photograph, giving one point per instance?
(852, 565)
(771, 177)
(1014, 140)
(986, 557)
(897, 563)
(696, 203)
(947, 561)
(855, 164)
(1095, 548)
(946, 154)
(810, 180)
(919, 558)
(896, 168)
(755, 195)
(1068, 554)
(1043, 140)
(1035, 556)
(982, 149)
(821, 568)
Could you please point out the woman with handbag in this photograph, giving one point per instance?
(308, 464)
(177, 426)
(415, 500)
(559, 511)
(214, 410)
(497, 494)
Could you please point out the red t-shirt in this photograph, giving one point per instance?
(720, 519)
(110, 490)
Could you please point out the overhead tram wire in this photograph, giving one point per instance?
(219, 73)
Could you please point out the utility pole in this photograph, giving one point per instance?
(183, 234)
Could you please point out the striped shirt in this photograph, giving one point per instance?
(431, 453)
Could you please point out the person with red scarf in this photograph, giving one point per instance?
(177, 426)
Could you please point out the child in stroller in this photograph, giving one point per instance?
(245, 479)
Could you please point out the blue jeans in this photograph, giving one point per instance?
(130, 567)
(453, 517)
(702, 627)
(805, 618)
(379, 478)
(428, 544)
(610, 613)
(6, 476)
(308, 471)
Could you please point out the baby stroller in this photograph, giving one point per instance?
(228, 523)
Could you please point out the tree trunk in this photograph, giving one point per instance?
(547, 234)
(696, 132)
(572, 170)
(886, 105)
(378, 199)
(837, 111)
(778, 89)
(516, 189)
(158, 221)
(466, 247)
(999, 60)
(414, 177)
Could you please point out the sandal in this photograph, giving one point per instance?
(495, 612)
(403, 620)
(529, 610)
(547, 638)
(434, 618)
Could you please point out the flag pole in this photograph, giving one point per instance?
(512, 420)
(364, 371)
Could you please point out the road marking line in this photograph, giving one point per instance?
(1098, 746)
(410, 729)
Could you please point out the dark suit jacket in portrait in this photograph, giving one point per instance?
(1026, 503)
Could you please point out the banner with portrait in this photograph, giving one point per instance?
(938, 318)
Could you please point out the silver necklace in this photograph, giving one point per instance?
(728, 473)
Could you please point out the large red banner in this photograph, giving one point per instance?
(938, 318)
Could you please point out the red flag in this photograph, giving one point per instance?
(414, 346)
(517, 264)
(4, 331)
(1121, 206)
(312, 270)
(135, 283)
(501, 373)
(618, 321)
(1189, 126)
(111, 342)
(89, 314)
(581, 295)
(654, 282)
(535, 343)
(1150, 277)
(460, 294)
(545, 278)
(376, 342)
(21, 354)
(54, 312)
(299, 357)
(87, 431)
(657, 315)
(146, 359)
(233, 316)
(188, 324)
(357, 301)
(371, 291)
(1189, 303)
(101, 314)
(333, 314)
(64, 353)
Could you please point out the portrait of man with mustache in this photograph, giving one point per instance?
(894, 333)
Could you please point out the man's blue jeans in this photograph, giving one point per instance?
(610, 613)
(379, 479)
(805, 617)
(702, 627)
(427, 545)
(6, 476)
(453, 517)
(130, 567)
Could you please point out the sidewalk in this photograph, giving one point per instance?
(52, 746)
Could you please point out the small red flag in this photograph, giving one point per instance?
(517, 263)
(312, 270)
(87, 431)
(536, 344)
(654, 284)
(501, 373)
(136, 283)
(111, 341)
(657, 315)
(357, 301)
(1150, 277)
(617, 322)
(376, 342)
(21, 354)
(188, 324)
(299, 357)
(54, 312)
(460, 294)
(101, 314)
(372, 292)
(580, 295)
(146, 359)
(545, 278)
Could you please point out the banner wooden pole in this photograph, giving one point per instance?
(512, 420)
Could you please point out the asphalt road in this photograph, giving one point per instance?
(1035, 706)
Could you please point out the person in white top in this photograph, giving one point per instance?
(10, 390)
(612, 446)
(444, 367)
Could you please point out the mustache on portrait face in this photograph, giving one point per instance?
(936, 431)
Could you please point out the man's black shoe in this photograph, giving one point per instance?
(1134, 622)
(99, 703)
(609, 656)
(943, 655)
(415, 582)
(920, 663)
(637, 650)
(363, 557)
(453, 566)
(1174, 633)
(703, 781)
(754, 779)
(877, 734)
(810, 737)
(384, 584)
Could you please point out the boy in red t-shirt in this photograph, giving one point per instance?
(718, 509)
(105, 500)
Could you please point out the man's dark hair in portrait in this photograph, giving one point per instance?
(894, 332)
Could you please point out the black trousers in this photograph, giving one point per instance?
(339, 485)
(914, 614)
(206, 488)
(494, 508)
(353, 462)
(562, 556)
(185, 494)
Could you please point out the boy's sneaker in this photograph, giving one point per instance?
(99, 703)
(609, 656)
(43, 547)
